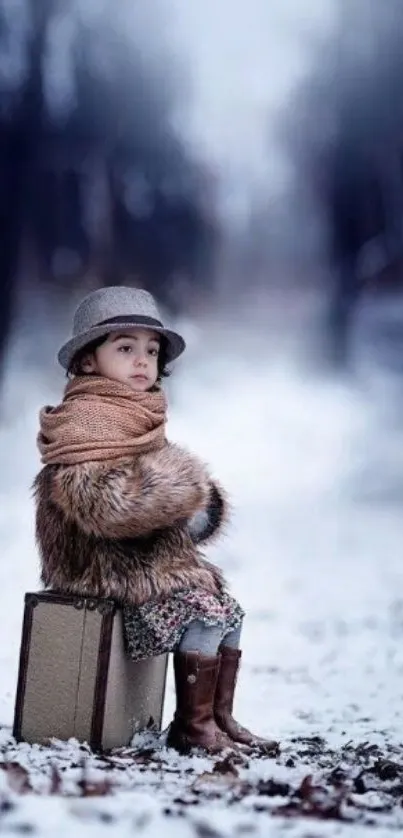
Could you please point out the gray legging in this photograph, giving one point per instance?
(198, 637)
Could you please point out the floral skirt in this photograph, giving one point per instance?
(157, 626)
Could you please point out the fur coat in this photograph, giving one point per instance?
(128, 530)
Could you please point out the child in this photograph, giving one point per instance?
(120, 512)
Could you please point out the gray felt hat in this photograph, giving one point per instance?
(112, 309)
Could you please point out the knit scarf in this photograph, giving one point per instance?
(101, 420)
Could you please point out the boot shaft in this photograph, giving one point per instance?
(195, 681)
(230, 661)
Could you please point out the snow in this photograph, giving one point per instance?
(315, 564)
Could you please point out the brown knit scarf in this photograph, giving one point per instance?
(100, 419)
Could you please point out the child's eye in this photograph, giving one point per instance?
(153, 352)
(125, 348)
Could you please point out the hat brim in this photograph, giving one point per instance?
(175, 343)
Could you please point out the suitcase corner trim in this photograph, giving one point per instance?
(30, 603)
(101, 680)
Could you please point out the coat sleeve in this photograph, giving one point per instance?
(132, 500)
(209, 522)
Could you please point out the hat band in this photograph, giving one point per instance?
(136, 319)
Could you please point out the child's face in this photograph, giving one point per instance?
(130, 357)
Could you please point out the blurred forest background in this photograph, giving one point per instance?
(102, 180)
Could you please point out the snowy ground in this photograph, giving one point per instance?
(313, 554)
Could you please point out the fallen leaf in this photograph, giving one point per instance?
(205, 830)
(93, 788)
(272, 788)
(226, 766)
(316, 802)
(211, 783)
(90, 788)
(17, 777)
(55, 781)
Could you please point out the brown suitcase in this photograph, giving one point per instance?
(75, 679)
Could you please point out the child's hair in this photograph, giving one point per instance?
(75, 367)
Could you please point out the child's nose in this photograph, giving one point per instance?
(141, 359)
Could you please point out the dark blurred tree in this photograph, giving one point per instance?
(95, 181)
(344, 134)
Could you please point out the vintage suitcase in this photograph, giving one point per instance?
(74, 677)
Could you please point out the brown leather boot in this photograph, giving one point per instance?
(193, 725)
(224, 701)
